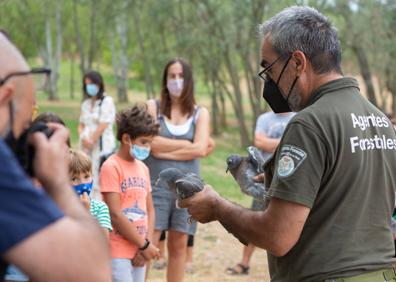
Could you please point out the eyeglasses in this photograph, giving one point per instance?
(264, 73)
(39, 75)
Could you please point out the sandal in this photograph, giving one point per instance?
(238, 269)
(189, 268)
(159, 264)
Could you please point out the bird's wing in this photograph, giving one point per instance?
(189, 185)
(256, 158)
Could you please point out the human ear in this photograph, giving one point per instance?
(6, 93)
(125, 139)
(300, 61)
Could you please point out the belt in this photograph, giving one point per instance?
(383, 275)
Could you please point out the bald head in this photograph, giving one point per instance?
(10, 57)
(18, 91)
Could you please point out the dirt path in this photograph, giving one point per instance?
(214, 250)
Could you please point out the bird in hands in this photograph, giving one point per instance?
(244, 169)
(183, 184)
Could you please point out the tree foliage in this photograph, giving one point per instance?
(136, 38)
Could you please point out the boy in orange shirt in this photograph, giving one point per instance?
(126, 189)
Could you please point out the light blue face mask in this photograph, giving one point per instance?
(138, 152)
(92, 89)
(83, 187)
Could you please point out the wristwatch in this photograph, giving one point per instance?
(145, 246)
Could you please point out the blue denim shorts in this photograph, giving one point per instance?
(14, 274)
(167, 215)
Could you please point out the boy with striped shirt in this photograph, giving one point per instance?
(80, 174)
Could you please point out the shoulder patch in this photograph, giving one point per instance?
(290, 158)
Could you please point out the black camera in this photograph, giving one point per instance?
(24, 151)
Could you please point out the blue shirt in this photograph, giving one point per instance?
(272, 125)
(24, 209)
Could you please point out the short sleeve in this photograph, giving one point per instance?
(261, 124)
(102, 214)
(24, 209)
(107, 110)
(299, 166)
(109, 177)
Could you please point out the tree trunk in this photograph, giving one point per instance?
(58, 51)
(391, 85)
(390, 74)
(251, 78)
(124, 61)
(223, 115)
(251, 56)
(214, 109)
(114, 60)
(119, 57)
(238, 110)
(238, 105)
(72, 82)
(92, 36)
(217, 29)
(80, 44)
(148, 81)
(365, 72)
(24, 12)
(48, 55)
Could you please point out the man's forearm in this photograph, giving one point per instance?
(265, 143)
(277, 229)
(256, 227)
(236, 220)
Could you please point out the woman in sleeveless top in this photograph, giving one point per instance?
(96, 123)
(182, 141)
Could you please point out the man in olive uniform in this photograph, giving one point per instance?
(332, 177)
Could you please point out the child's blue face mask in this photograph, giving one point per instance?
(83, 187)
(140, 153)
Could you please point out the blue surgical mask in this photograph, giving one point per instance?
(83, 187)
(92, 89)
(138, 152)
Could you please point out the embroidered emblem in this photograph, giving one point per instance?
(290, 158)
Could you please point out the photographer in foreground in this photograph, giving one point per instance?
(46, 233)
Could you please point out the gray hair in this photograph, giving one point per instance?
(307, 30)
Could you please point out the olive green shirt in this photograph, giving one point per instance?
(337, 157)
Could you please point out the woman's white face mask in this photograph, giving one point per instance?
(175, 86)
